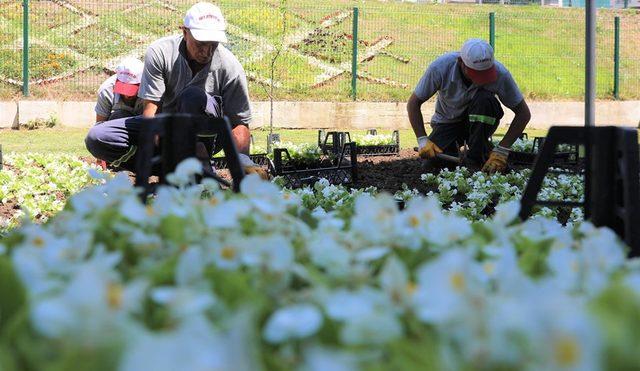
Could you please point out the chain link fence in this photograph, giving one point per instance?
(304, 49)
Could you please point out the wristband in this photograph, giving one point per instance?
(422, 141)
(504, 151)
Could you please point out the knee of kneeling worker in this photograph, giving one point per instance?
(95, 139)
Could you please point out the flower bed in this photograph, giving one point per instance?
(39, 184)
(205, 279)
(475, 194)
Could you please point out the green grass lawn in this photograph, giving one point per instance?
(543, 47)
(69, 140)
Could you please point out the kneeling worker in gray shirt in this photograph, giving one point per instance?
(118, 95)
(467, 110)
(190, 73)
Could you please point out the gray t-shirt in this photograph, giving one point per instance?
(444, 77)
(167, 73)
(111, 105)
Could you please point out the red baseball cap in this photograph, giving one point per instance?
(477, 55)
(129, 75)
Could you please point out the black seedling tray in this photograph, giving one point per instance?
(260, 159)
(342, 168)
(560, 159)
(333, 141)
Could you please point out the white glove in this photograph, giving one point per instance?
(245, 160)
(214, 107)
(422, 141)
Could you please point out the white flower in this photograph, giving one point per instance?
(190, 267)
(374, 218)
(372, 253)
(367, 314)
(185, 172)
(330, 255)
(443, 284)
(195, 345)
(132, 209)
(226, 214)
(319, 358)
(506, 212)
(394, 280)
(569, 338)
(263, 195)
(227, 254)
(566, 266)
(376, 327)
(293, 322)
(448, 230)
(344, 305)
(92, 291)
(183, 301)
(274, 252)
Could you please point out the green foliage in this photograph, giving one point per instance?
(41, 123)
(12, 293)
(617, 309)
(318, 38)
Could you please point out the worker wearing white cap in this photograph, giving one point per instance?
(467, 110)
(188, 73)
(118, 95)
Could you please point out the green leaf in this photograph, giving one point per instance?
(617, 310)
(12, 293)
(533, 255)
(172, 228)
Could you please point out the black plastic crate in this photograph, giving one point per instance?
(382, 149)
(565, 158)
(341, 169)
(261, 159)
(334, 140)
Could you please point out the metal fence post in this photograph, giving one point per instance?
(492, 31)
(25, 48)
(354, 57)
(616, 58)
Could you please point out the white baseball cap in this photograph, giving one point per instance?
(206, 23)
(128, 76)
(477, 55)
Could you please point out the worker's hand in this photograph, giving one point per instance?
(262, 173)
(497, 161)
(250, 167)
(427, 149)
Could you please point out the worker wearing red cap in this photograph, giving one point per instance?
(118, 95)
(467, 110)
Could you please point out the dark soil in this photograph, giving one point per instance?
(389, 173)
(8, 209)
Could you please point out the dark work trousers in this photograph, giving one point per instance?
(116, 141)
(480, 122)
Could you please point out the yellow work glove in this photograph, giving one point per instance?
(427, 149)
(250, 167)
(497, 161)
(262, 173)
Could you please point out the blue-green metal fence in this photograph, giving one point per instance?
(73, 45)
